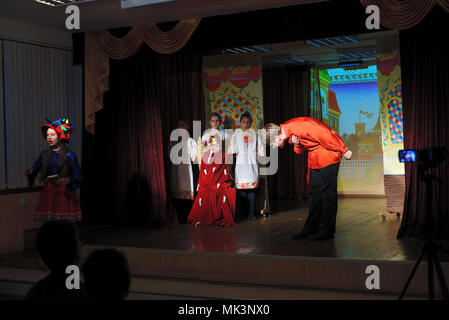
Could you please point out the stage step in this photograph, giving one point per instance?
(311, 274)
(15, 283)
(29, 239)
(169, 274)
(307, 273)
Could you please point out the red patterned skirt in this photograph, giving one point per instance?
(57, 202)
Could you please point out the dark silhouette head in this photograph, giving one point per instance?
(58, 245)
(106, 275)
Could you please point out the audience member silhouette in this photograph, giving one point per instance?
(58, 245)
(106, 275)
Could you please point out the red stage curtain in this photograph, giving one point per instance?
(180, 92)
(286, 95)
(425, 83)
(180, 88)
(167, 42)
(128, 182)
(101, 45)
(124, 161)
(404, 14)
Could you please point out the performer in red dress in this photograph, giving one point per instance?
(215, 201)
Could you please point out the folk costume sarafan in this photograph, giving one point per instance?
(247, 145)
(215, 201)
(58, 202)
(181, 175)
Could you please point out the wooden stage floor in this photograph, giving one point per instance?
(260, 253)
(360, 234)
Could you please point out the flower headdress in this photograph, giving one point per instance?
(62, 126)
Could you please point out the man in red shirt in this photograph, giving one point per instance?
(325, 148)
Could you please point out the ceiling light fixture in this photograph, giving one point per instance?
(350, 64)
(58, 3)
(127, 4)
(260, 48)
(313, 43)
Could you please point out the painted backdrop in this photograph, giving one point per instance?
(232, 87)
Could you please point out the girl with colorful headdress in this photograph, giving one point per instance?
(60, 173)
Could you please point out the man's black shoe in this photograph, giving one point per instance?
(321, 236)
(251, 217)
(301, 235)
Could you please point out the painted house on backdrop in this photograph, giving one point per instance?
(369, 145)
(334, 112)
(350, 107)
(329, 105)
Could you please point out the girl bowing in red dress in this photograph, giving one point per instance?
(215, 201)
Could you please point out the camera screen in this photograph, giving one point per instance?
(408, 156)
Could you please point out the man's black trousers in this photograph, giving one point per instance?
(323, 201)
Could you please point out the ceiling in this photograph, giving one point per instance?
(107, 14)
(325, 52)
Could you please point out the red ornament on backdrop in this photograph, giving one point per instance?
(212, 82)
(240, 76)
(387, 63)
(225, 75)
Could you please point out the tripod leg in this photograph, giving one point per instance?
(441, 279)
(411, 275)
(430, 274)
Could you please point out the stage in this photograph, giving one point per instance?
(261, 253)
(360, 234)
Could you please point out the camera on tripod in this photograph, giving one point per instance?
(426, 157)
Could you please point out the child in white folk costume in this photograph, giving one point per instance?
(246, 144)
(182, 178)
(214, 129)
